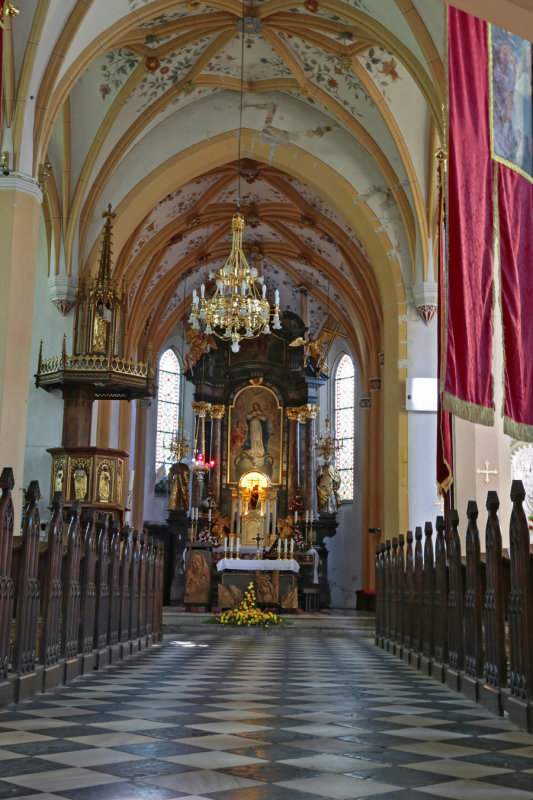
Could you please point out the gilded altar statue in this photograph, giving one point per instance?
(327, 489)
(200, 343)
(178, 478)
(80, 484)
(101, 322)
(104, 485)
(58, 478)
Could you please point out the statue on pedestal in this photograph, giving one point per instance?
(327, 487)
(178, 480)
(179, 474)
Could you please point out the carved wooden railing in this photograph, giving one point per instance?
(6, 582)
(72, 597)
(466, 620)
(50, 642)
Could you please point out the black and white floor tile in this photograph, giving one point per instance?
(266, 715)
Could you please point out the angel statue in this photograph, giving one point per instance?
(200, 343)
(313, 350)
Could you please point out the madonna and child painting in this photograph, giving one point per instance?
(255, 434)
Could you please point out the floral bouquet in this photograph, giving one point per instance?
(247, 614)
(205, 535)
(299, 540)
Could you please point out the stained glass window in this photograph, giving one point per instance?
(168, 404)
(344, 424)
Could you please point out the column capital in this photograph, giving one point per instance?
(200, 407)
(309, 410)
(293, 413)
(19, 182)
(217, 412)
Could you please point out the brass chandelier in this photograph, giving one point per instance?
(238, 309)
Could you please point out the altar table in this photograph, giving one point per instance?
(263, 565)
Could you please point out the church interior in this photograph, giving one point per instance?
(230, 356)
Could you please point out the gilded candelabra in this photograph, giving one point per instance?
(179, 445)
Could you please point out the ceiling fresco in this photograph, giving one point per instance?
(340, 98)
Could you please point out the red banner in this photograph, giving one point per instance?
(515, 202)
(468, 382)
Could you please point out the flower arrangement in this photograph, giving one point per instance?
(299, 539)
(205, 535)
(530, 523)
(247, 614)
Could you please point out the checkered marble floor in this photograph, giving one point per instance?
(261, 715)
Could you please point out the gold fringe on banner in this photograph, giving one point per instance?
(518, 430)
(469, 411)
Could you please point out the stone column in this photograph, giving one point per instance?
(201, 410)
(293, 415)
(311, 410)
(217, 414)
(20, 200)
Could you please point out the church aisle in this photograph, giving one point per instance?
(295, 714)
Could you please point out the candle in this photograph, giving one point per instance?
(307, 515)
(230, 546)
(209, 515)
(279, 549)
(129, 498)
(285, 548)
(295, 517)
(292, 547)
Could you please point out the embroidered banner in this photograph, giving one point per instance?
(510, 70)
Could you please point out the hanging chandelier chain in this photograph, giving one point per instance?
(240, 113)
(239, 308)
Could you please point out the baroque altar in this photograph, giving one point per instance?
(255, 414)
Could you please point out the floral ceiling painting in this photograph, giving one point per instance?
(330, 158)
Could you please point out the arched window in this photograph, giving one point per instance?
(168, 405)
(344, 424)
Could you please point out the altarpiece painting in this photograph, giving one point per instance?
(255, 434)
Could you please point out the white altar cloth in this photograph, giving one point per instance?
(263, 565)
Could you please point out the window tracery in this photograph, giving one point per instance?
(168, 408)
(344, 425)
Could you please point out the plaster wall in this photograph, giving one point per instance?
(45, 409)
(422, 426)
